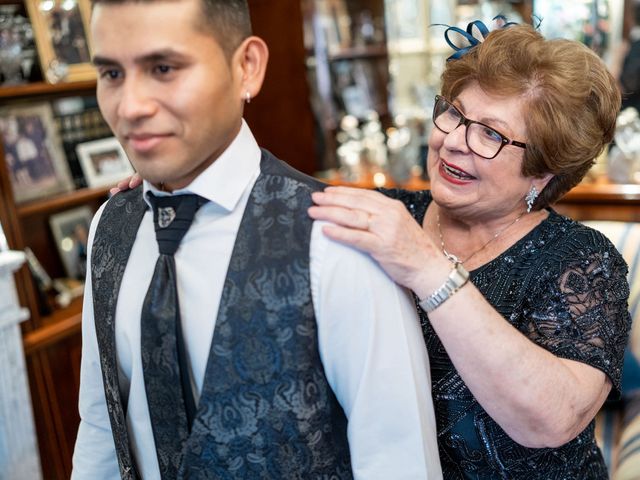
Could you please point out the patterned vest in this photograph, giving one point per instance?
(266, 410)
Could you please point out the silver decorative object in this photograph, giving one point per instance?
(17, 50)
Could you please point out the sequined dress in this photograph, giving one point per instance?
(563, 286)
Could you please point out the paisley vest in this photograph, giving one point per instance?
(266, 410)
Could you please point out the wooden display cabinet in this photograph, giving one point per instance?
(51, 340)
(347, 66)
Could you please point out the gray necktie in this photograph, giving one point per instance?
(164, 360)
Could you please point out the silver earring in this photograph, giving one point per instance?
(247, 97)
(531, 198)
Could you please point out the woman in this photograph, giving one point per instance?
(526, 347)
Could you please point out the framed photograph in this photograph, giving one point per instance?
(60, 28)
(33, 153)
(71, 230)
(103, 162)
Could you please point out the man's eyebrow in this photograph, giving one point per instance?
(157, 56)
(99, 61)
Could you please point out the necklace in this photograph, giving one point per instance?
(453, 258)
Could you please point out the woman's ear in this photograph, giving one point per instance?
(251, 59)
(541, 182)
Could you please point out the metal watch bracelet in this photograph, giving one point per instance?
(458, 277)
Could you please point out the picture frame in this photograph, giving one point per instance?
(70, 231)
(104, 162)
(61, 31)
(33, 152)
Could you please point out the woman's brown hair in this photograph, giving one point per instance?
(571, 101)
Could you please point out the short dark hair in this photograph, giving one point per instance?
(228, 20)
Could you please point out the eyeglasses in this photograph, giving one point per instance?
(481, 139)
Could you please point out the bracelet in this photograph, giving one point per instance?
(456, 280)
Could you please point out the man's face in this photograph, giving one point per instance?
(165, 87)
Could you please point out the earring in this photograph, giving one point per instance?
(247, 97)
(531, 198)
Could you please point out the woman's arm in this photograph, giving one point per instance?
(539, 399)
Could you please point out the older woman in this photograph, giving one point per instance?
(524, 311)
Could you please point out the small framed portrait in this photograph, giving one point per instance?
(33, 153)
(71, 231)
(60, 28)
(103, 162)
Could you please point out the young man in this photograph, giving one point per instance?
(296, 357)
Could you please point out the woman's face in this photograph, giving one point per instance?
(472, 186)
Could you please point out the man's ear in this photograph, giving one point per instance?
(251, 59)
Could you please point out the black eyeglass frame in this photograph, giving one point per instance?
(466, 122)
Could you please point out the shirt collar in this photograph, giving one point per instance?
(227, 178)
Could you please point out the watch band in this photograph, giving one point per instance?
(458, 277)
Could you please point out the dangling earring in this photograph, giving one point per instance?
(247, 97)
(531, 198)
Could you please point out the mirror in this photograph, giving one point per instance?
(378, 63)
(418, 51)
(417, 48)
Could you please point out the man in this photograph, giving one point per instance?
(296, 357)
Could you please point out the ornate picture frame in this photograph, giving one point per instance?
(33, 153)
(61, 31)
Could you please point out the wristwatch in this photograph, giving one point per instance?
(456, 280)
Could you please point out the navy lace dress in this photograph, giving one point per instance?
(563, 286)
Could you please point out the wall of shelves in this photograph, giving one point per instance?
(348, 67)
(52, 336)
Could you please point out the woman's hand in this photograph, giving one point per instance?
(127, 184)
(380, 226)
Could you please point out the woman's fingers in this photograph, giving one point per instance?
(353, 198)
(127, 184)
(360, 239)
(346, 217)
(135, 180)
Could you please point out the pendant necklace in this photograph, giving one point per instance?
(453, 258)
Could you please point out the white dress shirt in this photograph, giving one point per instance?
(369, 337)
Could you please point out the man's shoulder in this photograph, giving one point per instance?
(121, 205)
(271, 165)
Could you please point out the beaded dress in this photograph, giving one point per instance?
(564, 287)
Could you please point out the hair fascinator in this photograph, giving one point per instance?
(462, 41)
